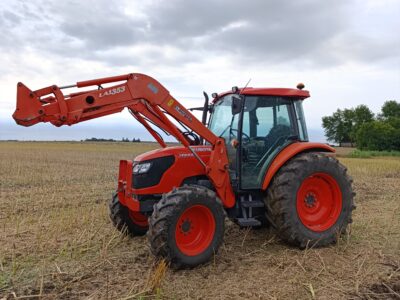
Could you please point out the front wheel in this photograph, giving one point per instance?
(125, 220)
(187, 226)
(310, 200)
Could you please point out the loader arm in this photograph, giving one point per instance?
(146, 99)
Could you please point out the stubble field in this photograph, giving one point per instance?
(56, 241)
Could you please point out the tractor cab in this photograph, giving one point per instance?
(256, 125)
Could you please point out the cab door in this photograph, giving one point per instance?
(268, 125)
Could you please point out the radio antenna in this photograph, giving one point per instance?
(245, 86)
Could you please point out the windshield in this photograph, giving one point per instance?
(222, 120)
(225, 125)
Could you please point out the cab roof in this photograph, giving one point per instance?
(283, 92)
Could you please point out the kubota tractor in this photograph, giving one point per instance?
(249, 159)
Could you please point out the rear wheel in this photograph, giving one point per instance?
(310, 200)
(187, 226)
(125, 220)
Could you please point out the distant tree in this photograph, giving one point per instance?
(331, 125)
(390, 109)
(348, 125)
(343, 125)
(360, 126)
(395, 122)
(377, 135)
(390, 114)
(361, 115)
(396, 138)
(93, 139)
(338, 127)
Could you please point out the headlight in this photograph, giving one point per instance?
(144, 168)
(141, 168)
(136, 168)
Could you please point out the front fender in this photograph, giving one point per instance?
(289, 152)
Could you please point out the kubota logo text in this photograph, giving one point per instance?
(114, 91)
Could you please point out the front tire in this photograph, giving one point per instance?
(310, 200)
(125, 220)
(187, 226)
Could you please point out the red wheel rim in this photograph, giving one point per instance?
(195, 230)
(138, 218)
(319, 202)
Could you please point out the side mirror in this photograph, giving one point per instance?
(236, 104)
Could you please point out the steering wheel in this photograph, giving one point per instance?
(192, 138)
(243, 135)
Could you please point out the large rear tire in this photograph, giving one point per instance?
(125, 220)
(310, 200)
(187, 226)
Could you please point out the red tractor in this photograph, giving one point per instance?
(249, 159)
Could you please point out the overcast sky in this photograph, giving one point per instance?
(346, 52)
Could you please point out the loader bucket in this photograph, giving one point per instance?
(29, 109)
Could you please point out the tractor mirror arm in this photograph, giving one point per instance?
(196, 108)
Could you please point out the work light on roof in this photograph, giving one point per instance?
(300, 86)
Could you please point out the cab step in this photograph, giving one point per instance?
(248, 222)
(252, 204)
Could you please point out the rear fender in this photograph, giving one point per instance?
(289, 152)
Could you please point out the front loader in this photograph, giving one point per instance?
(249, 159)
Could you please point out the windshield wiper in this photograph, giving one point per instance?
(229, 126)
(224, 130)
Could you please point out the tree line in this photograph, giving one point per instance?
(360, 127)
(93, 139)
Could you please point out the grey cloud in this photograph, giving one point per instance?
(271, 31)
(181, 19)
(367, 49)
(98, 24)
(11, 17)
(317, 33)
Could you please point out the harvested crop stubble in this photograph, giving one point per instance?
(57, 241)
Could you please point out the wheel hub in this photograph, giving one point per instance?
(186, 226)
(310, 200)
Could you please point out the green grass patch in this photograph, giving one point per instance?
(368, 154)
(4, 281)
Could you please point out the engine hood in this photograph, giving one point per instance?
(180, 152)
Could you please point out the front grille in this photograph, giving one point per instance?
(156, 171)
